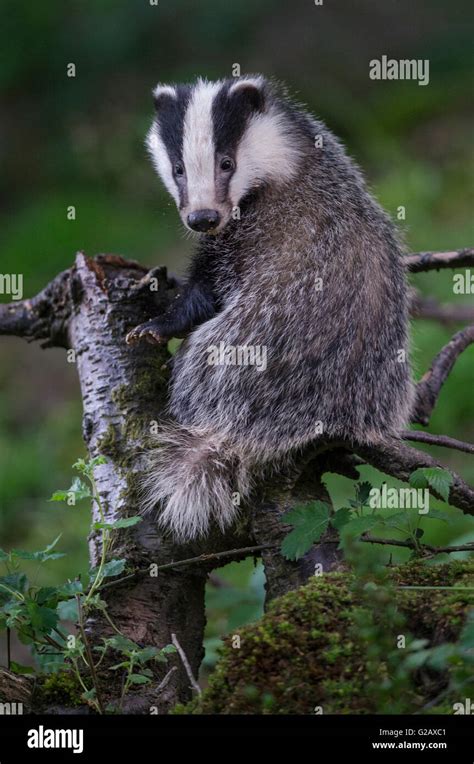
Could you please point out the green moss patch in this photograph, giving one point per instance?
(304, 654)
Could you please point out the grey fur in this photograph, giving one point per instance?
(335, 355)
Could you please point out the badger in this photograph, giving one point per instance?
(295, 262)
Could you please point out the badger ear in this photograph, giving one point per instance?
(251, 91)
(162, 94)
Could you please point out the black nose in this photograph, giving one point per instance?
(203, 220)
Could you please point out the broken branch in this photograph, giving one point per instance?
(429, 387)
(438, 440)
(434, 261)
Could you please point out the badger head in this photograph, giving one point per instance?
(214, 142)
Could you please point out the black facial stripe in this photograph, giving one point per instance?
(170, 120)
(230, 114)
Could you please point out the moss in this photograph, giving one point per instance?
(148, 388)
(61, 689)
(107, 444)
(304, 653)
(120, 396)
(138, 404)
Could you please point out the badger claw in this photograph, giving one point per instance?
(147, 332)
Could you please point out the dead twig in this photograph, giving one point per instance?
(186, 665)
(408, 544)
(429, 387)
(438, 440)
(434, 261)
(448, 313)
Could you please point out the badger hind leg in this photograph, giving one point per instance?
(193, 474)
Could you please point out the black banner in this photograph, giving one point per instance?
(82, 738)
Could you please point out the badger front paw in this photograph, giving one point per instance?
(150, 331)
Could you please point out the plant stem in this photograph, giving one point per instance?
(90, 657)
(12, 591)
(108, 618)
(126, 684)
(105, 538)
(79, 677)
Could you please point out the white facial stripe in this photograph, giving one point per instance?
(161, 161)
(255, 82)
(164, 90)
(198, 146)
(266, 151)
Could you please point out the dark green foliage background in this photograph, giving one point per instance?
(66, 141)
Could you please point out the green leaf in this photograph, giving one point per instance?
(70, 588)
(397, 519)
(362, 524)
(147, 654)
(418, 644)
(439, 514)
(139, 679)
(435, 477)
(21, 554)
(167, 649)
(43, 619)
(46, 594)
(127, 522)
(162, 656)
(80, 465)
(124, 522)
(16, 582)
(42, 556)
(341, 518)
(16, 610)
(87, 468)
(113, 568)
(122, 644)
(18, 668)
(4, 556)
(440, 656)
(67, 610)
(78, 491)
(89, 694)
(363, 492)
(417, 659)
(309, 523)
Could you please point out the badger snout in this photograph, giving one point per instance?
(203, 220)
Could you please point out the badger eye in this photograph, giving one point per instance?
(179, 169)
(227, 164)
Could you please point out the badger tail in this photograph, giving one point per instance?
(196, 478)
